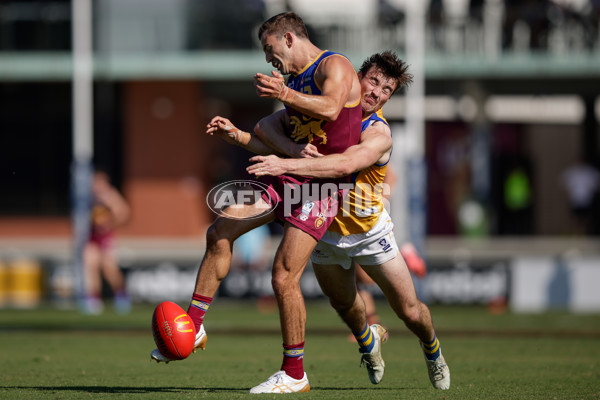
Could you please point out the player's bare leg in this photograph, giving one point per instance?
(290, 259)
(92, 260)
(219, 242)
(339, 285)
(396, 283)
(217, 258)
(217, 261)
(364, 280)
(113, 275)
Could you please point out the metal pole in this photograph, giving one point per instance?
(81, 166)
(415, 125)
(411, 156)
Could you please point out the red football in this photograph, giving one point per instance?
(173, 331)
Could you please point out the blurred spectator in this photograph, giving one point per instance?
(534, 13)
(589, 17)
(109, 211)
(476, 8)
(594, 17)
(436, 20)
(516, 213)
(224, 24)
(389, 14)
(582, 182)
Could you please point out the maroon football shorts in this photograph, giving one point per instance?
(309, 204)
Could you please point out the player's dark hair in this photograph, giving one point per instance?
(391, 66)
(281, 23)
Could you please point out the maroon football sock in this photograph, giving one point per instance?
(293, 356)
(198, 307)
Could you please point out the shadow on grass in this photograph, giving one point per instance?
(131, 389)
(121, 389)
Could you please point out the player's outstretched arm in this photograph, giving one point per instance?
(223, 127)
(336, 76)
(375, 147)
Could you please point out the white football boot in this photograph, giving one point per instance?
(280, 382)
(201, 339)
(373, 361)
(200, 342)
(439, 373)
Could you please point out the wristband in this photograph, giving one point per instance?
(283, 92)
(237, 134)
(242, 138)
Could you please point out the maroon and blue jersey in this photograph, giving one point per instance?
(328, 136)
(315, 213)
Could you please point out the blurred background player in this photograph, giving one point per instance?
(582, 184)
(110, 210)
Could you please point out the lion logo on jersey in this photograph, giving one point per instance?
(308, 130)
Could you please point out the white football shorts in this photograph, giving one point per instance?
(370, 248)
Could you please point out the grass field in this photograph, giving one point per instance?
(53, 354)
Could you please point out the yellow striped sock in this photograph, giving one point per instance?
(365, 340)
(432, 349)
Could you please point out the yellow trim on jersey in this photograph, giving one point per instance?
(353, 104)
(379, 113)
(311, 63)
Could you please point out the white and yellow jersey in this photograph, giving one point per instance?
(363, 204)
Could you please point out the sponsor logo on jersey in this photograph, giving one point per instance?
(367, 212)
(302, 217)
(308, 130)
(320, 221)
(307, 207)
(385, 246)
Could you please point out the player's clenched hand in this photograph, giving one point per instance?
(271, 86)
(225, 129)
(309, 151)
(303, 150)
(266, 165)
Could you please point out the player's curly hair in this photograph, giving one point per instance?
(391, 66)
(281, 23)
